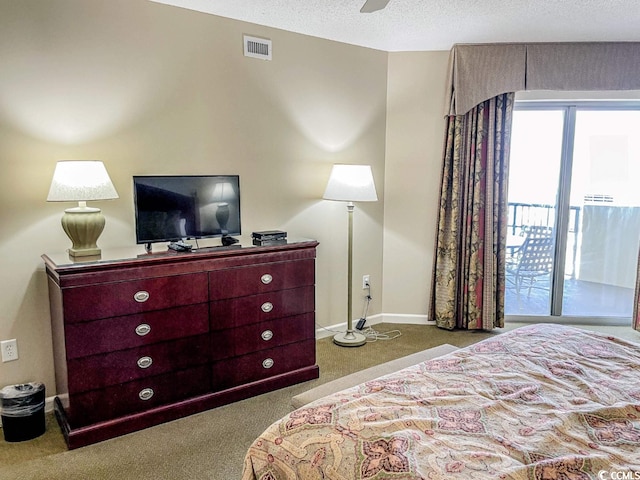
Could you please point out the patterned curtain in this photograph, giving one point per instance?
(636, 300)
(469, 266)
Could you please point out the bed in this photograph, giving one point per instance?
(539, 402)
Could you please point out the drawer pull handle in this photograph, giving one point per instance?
(267, 335)
(146, 393)
(145, 362)
(141, 296)
(267, 307)
(267, 363)
(143, 329)
(266, 279)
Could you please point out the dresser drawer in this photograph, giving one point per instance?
(268, 277)
(139, 395)
(234, 342)
(104, 300)
(130, 331)
(259, 308)
(263, 364)
(97, 371)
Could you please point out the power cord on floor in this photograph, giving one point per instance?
(371, 334)
(328, 329)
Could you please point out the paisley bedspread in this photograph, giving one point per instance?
(539, 402)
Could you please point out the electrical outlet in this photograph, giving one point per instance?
(9, 350)
(365, 282)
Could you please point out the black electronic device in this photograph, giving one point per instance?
(173, 207)
(269, 243)
(269, 235)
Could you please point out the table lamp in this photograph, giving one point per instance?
(350, 183)
(82, 181)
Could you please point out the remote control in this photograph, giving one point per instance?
(180, 246)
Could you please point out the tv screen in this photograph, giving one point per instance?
(170, 208)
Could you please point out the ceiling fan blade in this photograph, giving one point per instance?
(373, 6)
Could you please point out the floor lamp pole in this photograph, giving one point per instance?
(350, 338)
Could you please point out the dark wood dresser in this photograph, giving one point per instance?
(143, 339)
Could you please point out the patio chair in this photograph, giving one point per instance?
(533, 260)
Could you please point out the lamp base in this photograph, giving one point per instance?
(350, 339)
(84, 252)
(83, 226)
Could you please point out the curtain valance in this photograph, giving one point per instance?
(482, 71)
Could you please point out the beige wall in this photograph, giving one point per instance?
(415, 133)
(152, 89)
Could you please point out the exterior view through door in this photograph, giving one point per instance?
(574, 210)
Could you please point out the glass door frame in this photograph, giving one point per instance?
(563, 204)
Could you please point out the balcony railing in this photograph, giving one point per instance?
(600, 267)
(523, 215)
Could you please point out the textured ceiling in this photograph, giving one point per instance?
(416, 25)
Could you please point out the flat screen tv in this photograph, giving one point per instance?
(175, 207)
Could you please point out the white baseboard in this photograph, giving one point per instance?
(48, 404)
(323, 332)
(407, 318)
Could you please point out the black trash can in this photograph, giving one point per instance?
(22, 411)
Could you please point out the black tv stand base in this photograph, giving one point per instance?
(228, 240)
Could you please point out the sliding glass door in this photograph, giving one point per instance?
(574, 210)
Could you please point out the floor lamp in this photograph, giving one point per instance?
(350, 183)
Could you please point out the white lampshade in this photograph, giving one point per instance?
(75, 181)
(351, 183)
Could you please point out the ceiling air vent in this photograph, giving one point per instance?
(257, 47)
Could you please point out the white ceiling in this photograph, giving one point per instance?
(418, 25)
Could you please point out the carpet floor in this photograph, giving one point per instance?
(211, 445)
